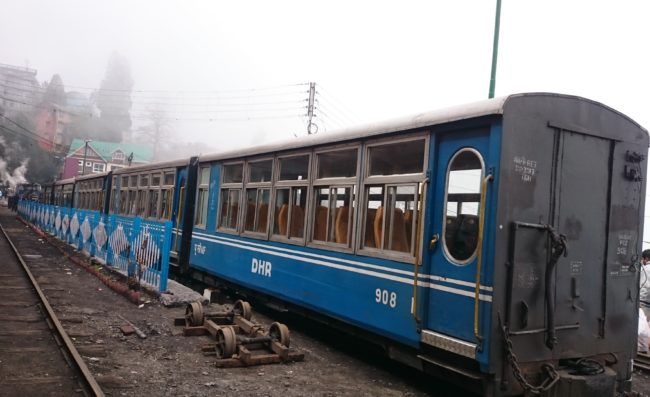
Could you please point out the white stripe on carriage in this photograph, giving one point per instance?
(456, 291)
(362, 264)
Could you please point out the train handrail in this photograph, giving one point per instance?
(418, 254)
(479, 255)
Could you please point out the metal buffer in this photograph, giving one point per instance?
(238, 341)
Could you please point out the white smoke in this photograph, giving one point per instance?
(17, 176)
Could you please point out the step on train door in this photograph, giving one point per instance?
(460, 173)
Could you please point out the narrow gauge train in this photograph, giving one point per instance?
(493, 243)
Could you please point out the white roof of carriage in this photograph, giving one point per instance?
(476, 109)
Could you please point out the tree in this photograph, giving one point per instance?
(55, 92)
(113, 99)
(157, 131)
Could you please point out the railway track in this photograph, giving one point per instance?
(37, 357)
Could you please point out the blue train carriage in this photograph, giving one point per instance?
(157, 191)
(492, 243)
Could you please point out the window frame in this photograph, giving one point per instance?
(200, 187)
(386, 181)
(446, 252)
(333, 183)
(291, 185)
(229, 186)
(259, 186)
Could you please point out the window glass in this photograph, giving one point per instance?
(260, 171)
(153, 203)
(166, 204)
(205, 176)
(462, 205)
(155, 180)
(338, 164)
(201, 208)
(257, 210)
(290, 205)
(397, 158)
(294, 168)
(229, 208)
(144, 180)
(134, 181)
(390, 214)
(169, 178)
(333, 214)
(201, 214)
(232, 173)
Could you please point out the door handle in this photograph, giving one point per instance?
(434, 241)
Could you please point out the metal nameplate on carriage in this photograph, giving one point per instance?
(448, 343)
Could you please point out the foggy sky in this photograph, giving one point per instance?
(374, 60)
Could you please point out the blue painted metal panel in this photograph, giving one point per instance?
(125, 243)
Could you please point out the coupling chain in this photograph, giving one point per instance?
(551, 372)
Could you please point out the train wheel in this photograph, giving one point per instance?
(243, 309)
(280, 333)
(194, 314)
(226, 342)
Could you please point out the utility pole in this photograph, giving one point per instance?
(83, 168)
(310, 108)
(495, 49)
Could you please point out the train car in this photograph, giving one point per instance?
(493, 243)
(63, 192)
(90, 191)
(158, 191)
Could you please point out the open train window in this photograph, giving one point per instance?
(334, 196)
(230, 196)
(394, 173)
(463, 196)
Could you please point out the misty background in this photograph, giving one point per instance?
(193, 77)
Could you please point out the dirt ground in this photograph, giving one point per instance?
(168, 364)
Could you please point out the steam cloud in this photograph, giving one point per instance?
(18, 175)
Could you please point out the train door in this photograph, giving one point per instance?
(461, 160)
(178, 215)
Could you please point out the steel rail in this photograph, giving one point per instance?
(88, 379)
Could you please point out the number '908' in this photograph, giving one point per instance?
(385, 297)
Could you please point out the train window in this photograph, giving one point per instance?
(166, 203)
(169, 178)
(232, 173)
(229, 208)
(463, 196)
(390, 214)
(144, 180)
(393, 177)
(202, 197)
(294, 168)
(134, 181)
(397, 158)
(260, 171)
(142, 204)
(230, 196)
(334, 196)
(152, 211)
(337, 164)
(155, 179)
(290, 206)
(258, 196)
(257, 209)
(333, 214)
